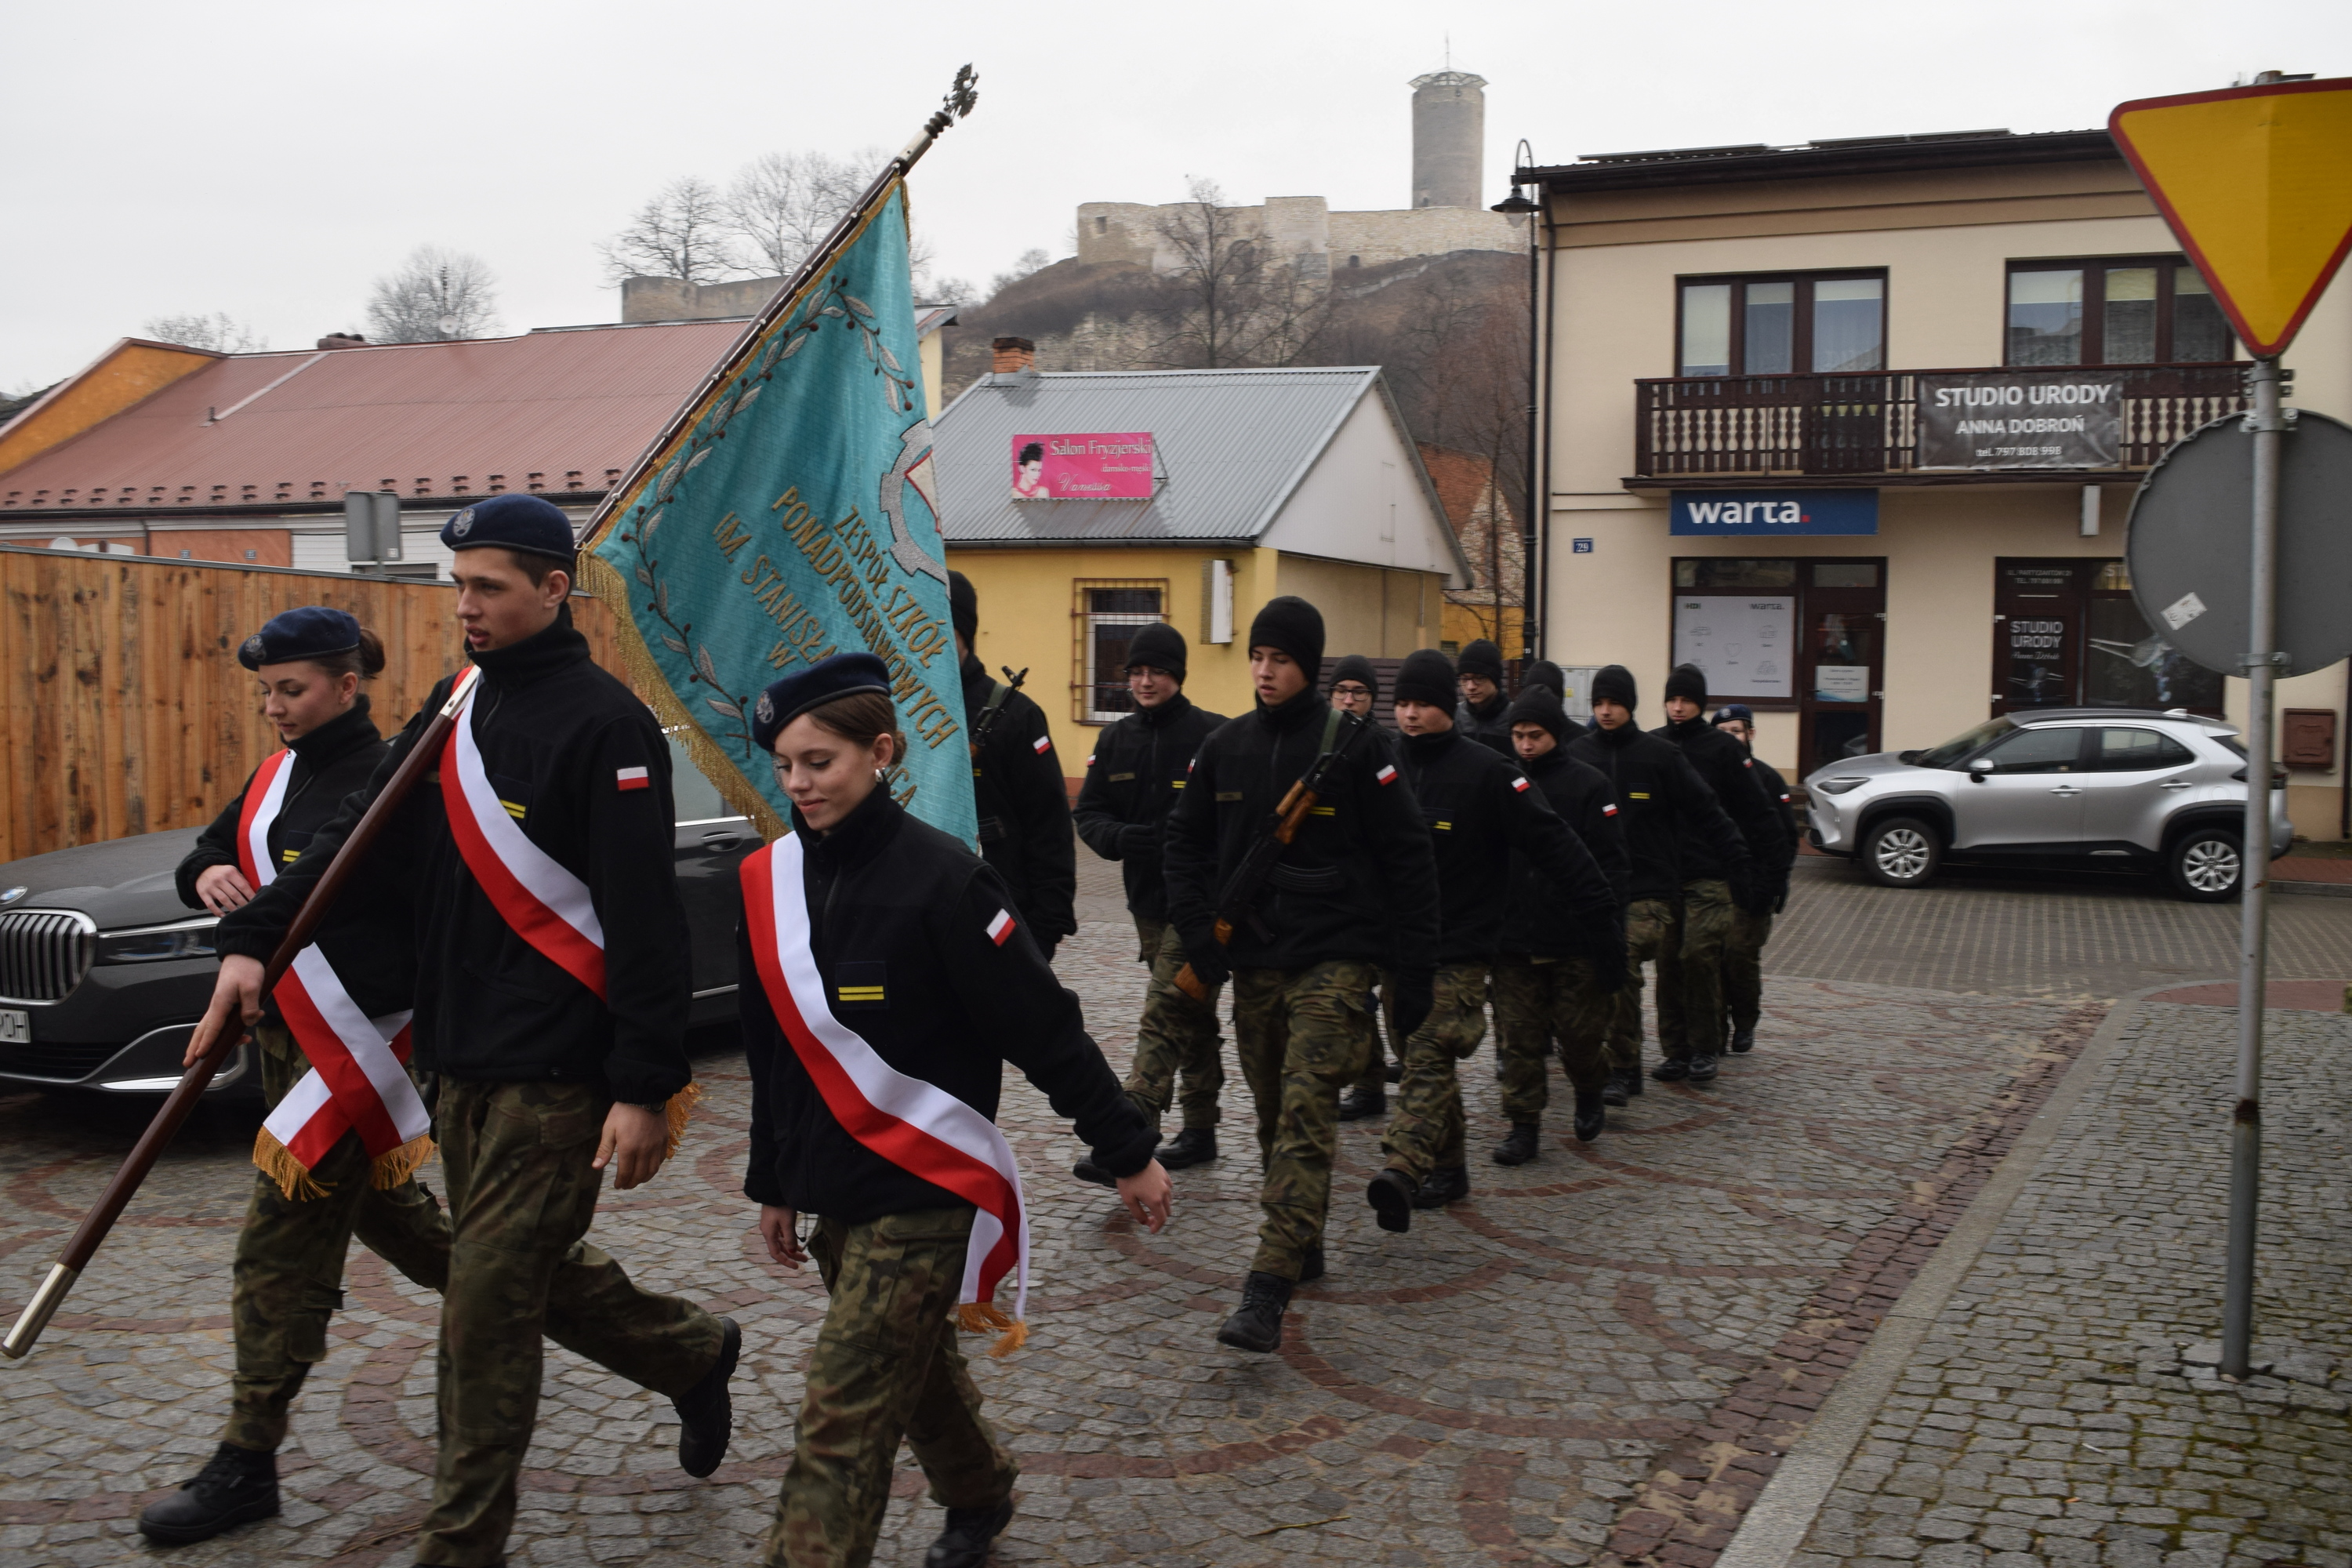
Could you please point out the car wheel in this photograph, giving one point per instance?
(1901, 852)
(2206, 865)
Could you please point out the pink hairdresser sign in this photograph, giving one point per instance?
(1083, 467)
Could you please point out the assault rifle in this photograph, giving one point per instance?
(1238, 902)
(985, 725)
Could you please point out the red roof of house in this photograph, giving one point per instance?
(565, 409)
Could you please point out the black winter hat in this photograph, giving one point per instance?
(1614, 683)
(1427, 676)
(1356, 667)
(1687, 680)
(1294, 626)
(310, 631)
(1544, 672)
(963, 607)
(532, 524)
(1481, 657)
(1159, 645)
(1539, 705)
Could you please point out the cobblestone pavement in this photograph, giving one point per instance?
(2063, 1407)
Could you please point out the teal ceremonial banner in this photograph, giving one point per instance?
(788, 516)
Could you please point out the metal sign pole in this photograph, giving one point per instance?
(2265, 425)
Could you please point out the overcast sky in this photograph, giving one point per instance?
(271, 160)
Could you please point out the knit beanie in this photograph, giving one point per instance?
(1544, 672)
(1687, 680)
(963, 607)
(1356, 667)
(1614, 683)
(1427, 676)
(1159, 645)
(1294, 626)
(1539, 705)
(1481, 657)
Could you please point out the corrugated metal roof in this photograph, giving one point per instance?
(434, 420)
(1232, 446)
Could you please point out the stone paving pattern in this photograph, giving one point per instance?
(2064, 1408)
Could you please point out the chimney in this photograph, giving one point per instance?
(342, 340)
(1012, 357)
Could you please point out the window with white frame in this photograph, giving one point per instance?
(1109, 615)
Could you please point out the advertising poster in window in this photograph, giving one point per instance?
(2011, 419)
(1744, 643)
(1099, 466)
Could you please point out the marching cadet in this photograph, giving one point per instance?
(879, 958)
(1716, 890)
(1137, 771)
(1355, 688)
(538, 885)
(1557, 978)
(1544, 672)
(1743, 950)
(1667, 810)
(1355, 889)
(1480, 714)
(1017, 786)
(1481, 810)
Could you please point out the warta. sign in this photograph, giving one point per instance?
(1698, 514)
(1099, 466)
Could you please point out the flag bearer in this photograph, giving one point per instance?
(886, 980)
(1017, 788)
(537, 883)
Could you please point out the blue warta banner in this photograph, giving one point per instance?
(789, 517)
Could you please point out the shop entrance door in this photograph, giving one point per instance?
(2067, 633)
(1841, 660)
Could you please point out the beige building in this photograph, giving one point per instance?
(1857, 427)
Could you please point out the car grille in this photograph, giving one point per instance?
(68, 1062)
(44, 954)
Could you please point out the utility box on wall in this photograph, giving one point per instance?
(2307, 738)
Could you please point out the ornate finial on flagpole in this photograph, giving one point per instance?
(957, 105)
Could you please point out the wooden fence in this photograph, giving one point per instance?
(126, 710)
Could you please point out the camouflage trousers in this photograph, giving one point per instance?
(1302, 1035)
(522, 1191)
(1690, 975)
(1653, 928)
(886, 1366)
(1177, 1034)
(1375, 1076)
(1743, 967)
(1426, 1131)
(1540, 1002)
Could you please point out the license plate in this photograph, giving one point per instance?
(16, 1026)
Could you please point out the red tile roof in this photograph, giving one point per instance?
(551, 410)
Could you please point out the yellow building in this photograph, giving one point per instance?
(1264, 482)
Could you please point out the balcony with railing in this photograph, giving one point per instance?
(1701, 430)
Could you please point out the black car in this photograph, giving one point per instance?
(104, 972)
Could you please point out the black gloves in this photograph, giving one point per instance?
(1046, 944)
(1415, 999)
(1780, 894)
(1610, 964)
(1139, 838)
(1751, 892)
(1208, 963)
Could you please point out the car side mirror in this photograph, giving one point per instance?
(1977, 771)
(1906, 758)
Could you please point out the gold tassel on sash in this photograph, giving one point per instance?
(982, 1317)
(678, 1113)
(399, 1164)
(388, 1170)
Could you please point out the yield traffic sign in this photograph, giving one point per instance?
(2256, 183)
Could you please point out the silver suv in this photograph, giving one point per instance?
(2111, 787)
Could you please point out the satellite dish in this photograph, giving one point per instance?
(449, 325)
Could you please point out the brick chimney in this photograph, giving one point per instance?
(1010, 356)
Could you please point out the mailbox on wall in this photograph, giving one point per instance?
(2307, 738)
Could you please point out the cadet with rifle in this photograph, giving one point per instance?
(1017, 786)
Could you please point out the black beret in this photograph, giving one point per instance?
(1539, 705)
(1160, 647)
(1294, 626)
(1481, 657)
(1614, 683)
(312, 631)
(843, 674)
(1356, 667)
(963, 607)
(1687, 680)
(532, 524)
(1730, 710)
(1426, 676)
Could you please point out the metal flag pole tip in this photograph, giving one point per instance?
(38, 1311)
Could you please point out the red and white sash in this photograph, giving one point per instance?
(358, 1081)
(916, 1126)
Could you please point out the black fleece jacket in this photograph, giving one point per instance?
(379, 968)
(1666, 807)
(900, 912)
(556, 734)
(1489, 725)
(1024, 808)
(1358, 882)
(1728, 771)
(1133, 778)
(1536, 921)
(1483, 811)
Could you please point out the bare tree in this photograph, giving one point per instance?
(781, 205)
(437, 296)
(1029, 261)
(1226, 301)
(220, 332)
(684, 231)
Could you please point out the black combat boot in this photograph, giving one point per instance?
(1311, 1264)
(1590, 1116)
(1742, 1041)
(1674, 1070)
(1615, 1091)
(704, 1412)
(1446, 1185)
(1523, 1144)
(1085, 1170)
(1702, 1068)
(235, 1486)
(1193, 1146)
(970, 1534)
(1390, 1196)
(1361, 1102)
(1258, 1325)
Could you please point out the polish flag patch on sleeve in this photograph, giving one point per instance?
(1608, 810)
(1387, 775)
(631, 778)
(1042, 745)
(1001, 928)
(1520, 785)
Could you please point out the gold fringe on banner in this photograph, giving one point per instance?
(985, 1317)
(680, 1110)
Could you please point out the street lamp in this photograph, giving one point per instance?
(1518, 204)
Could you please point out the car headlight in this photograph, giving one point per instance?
(1840, 786)
(155, 945)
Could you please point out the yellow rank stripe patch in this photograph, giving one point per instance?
(512, 809)
(1322, 811)
(288, 856)
(1443, 826)
(1637, 794)
(860, 993)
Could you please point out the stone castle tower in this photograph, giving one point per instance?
(1449, 139)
